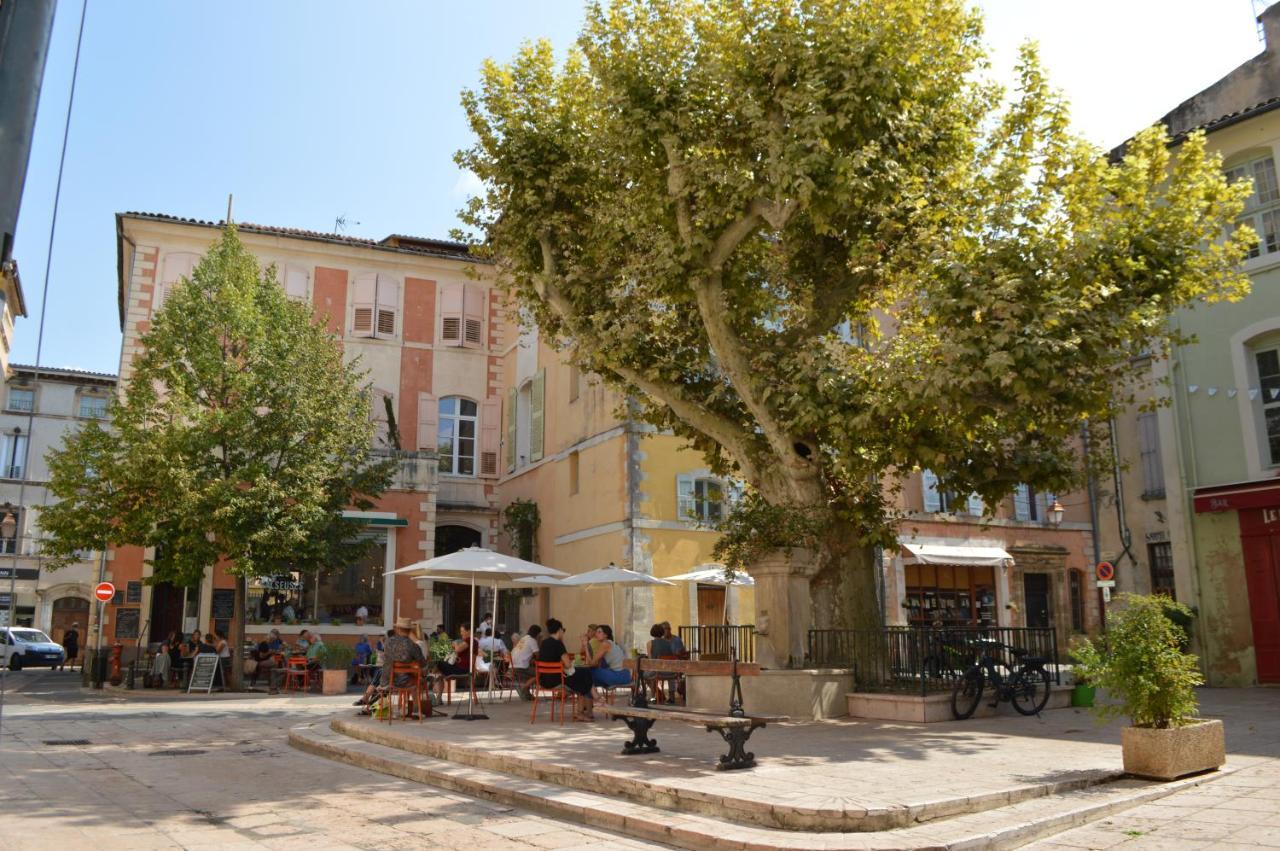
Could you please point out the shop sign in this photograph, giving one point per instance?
(280, 583)
(22, 573)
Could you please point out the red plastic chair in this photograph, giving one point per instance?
(401, 695)
(561, 691)
(296, 673)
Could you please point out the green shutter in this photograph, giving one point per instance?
(536, 427)
(511, 429)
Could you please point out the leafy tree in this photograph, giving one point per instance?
(240, 438)
(809, 237)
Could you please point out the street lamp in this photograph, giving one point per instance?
(1055, 514)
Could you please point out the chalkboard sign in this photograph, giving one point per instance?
(118, 598)
(133, 592)
(224, 606)
(204, 670)
(127, 621)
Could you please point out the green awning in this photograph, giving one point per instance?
(376, 521)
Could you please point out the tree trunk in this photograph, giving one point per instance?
(845, 591)
(238, 635)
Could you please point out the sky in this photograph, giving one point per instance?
(310, 110)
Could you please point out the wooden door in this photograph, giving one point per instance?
(68, 611)
(1035, 587)
(713, 644)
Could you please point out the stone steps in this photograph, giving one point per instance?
(1004, 826)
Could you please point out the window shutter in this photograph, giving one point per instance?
(536, 418)
(177, 266)
(490, 431)
(1022, 503)
(976, 508)
(451, 314)
(686, 505)
(932, 499)
(575, 383)
(366, 287)
(428, 417)
(388, 289)
(473, 315)
(512, 394)
(1046, 501)
(295, 282)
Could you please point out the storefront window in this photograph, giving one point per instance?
(950, 595)
(335, 595)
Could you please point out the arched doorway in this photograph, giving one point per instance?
(66, 611)
(455, 598)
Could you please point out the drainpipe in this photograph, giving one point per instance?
(1126, 537)
(1093, 520)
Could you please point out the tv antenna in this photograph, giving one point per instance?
(340, 223)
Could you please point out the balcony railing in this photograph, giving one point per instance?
(714, 642)
(415, 471)
(924, 660)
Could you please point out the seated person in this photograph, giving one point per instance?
(315, 648)
(579, 681)
(607, 668)
(160, 667)
(399, 647)
(274, 642)
(266, 666)
(363, 652)
(461, 664)
(677, 645)
(522, 661)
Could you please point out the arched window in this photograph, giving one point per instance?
(1075, 581)
(456, 441)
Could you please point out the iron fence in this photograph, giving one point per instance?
(925, 660)
(714, 642)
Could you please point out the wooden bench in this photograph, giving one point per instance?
(735, 726)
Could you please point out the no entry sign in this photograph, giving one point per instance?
(104, 591)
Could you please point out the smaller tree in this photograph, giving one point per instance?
(1141, 663)
(241, 437)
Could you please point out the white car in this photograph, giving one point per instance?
(23, 647)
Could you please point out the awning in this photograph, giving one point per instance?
(955, 554)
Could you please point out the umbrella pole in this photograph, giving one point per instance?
(471, 714)
(492, 635)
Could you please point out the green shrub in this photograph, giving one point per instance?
(1141, 663)
(336, 657)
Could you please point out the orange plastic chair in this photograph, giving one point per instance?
(552, 669)
(400, 695)
(296, 673)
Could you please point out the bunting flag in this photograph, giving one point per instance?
(1213, 391)
(1231, 392)
(1192, 388)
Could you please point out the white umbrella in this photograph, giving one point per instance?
(714, 574)
(470, 563)
(613, 576)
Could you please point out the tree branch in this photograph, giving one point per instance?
(677, 173)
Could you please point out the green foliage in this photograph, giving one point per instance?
(756, 528)
(336, 657)
(1141, 663)
(520, 520)
(809, 237)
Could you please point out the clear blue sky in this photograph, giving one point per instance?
(307, 110)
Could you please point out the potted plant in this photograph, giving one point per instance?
(336, 660)
(1141, 665)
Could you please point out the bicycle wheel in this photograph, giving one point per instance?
(1030, 691)
(967, 693)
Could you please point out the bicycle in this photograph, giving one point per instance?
(1026, 687)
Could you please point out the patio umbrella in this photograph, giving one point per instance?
(716, 574)
(613, 576)
(468, 564)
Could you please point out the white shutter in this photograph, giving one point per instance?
(490, 435)
(388, 301)
(451, 296)
(176, 266)
(686, 505)
(473, 316)
(1022, 503)
(537, 416)
(428, 422)
(976, 508)
(295, 282)
(362, 301)
(1046, 501)
(932, 498)
(512, 395)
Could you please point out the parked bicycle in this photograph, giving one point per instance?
(1025, 683)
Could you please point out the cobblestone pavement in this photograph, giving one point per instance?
(219, 774)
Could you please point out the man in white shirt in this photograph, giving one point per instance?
(486, 626)
(522, 661)
(362, 615)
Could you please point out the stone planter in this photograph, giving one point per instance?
(334, 682)
(1175, 752)
(784, 608)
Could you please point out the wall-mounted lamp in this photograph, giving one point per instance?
(1055, 514)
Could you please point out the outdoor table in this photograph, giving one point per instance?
(364, 672)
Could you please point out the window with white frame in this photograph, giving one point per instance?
(1268, 366)
(94, 407)
(939, 501)
(1032, 505)
(14, 458)
(1149, 455)
(1262, 207)
(705, 499)
(456, 438)
(21, 399)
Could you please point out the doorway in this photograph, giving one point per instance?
(68, 611)
(1035, 593)
(166, 611)
(711, 605)
(1261, 544)
(455, 597)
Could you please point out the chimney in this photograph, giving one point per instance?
(1269, 21)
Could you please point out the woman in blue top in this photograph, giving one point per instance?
(363, 652)
(607, 668)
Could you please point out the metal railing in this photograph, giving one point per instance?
(714, 642)
(925, 660)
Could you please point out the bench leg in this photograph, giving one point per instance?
(641, 743)
(738, 756)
